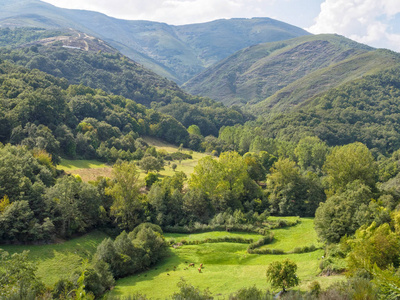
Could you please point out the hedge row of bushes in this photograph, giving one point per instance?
(224, 239)
(280, 223)
(200, 228)
(304, 249)
(265, 251)
(261, 242)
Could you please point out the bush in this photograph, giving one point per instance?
(197, 228)
(304, 249)
(265, 251)
(225, 239)
(261, 242)
(251, 293)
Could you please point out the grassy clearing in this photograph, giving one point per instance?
(185, 166)
(90, 170)
(227, 266)
(69, 165)
(288, 238)
(60, 260)
(211, 235)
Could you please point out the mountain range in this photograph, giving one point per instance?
(278, 76)
(296, 83)
(176, 52)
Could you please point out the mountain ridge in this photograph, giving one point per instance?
(276, 76)
(174, 51)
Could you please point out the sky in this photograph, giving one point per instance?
(372, 22)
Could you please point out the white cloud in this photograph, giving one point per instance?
(366, 21)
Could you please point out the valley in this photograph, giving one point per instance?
(232, 159)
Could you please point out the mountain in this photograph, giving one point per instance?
(83, 59)
(366, 110)
(176, 52)
(282, 74)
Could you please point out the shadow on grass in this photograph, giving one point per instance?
(84, 247)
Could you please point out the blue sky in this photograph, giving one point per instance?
(372, 22)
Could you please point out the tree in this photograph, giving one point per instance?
(373, 246)
(17, 277)
(292, 193)
(340, 214)
(282, 274)
(76, 202)
(188, 291)
(349, 163)
(127, 205)
(194, 129)
(222, 181)
(150, 163)
(150, 179)
(311, 153)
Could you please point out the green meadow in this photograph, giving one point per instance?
(62, 259)
(227, 266)
(90, 170)
(70, 165)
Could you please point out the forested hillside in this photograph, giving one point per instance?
(365, 110)
(85, 60)
(278, 76)
(176, 52)
(39, 110)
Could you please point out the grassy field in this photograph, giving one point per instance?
(70, 165)
(185, 166)
(288, 238)
(60, 260)
(90, 170)
(211, 235)
(227, 266)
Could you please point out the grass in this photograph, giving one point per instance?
(227, 266)
(186, 166)
(90, 170)
(70, 165)
(212, 235)
(288, 238)
(60, 260)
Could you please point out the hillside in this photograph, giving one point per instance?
(177, 52)
(44, 112)
(83, 59)
(281, 75)
(364, 110)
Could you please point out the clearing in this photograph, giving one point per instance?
(227, 266)
(90, 170)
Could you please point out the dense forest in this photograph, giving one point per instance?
(336, 160)
(114, 73)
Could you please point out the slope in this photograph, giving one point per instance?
(364, 110)
(259, 72)
(83, 59)
(177, 52)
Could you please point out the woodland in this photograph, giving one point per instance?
(331, 164)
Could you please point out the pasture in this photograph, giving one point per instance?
(90, 170)
(62, 259)
(227, 266)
